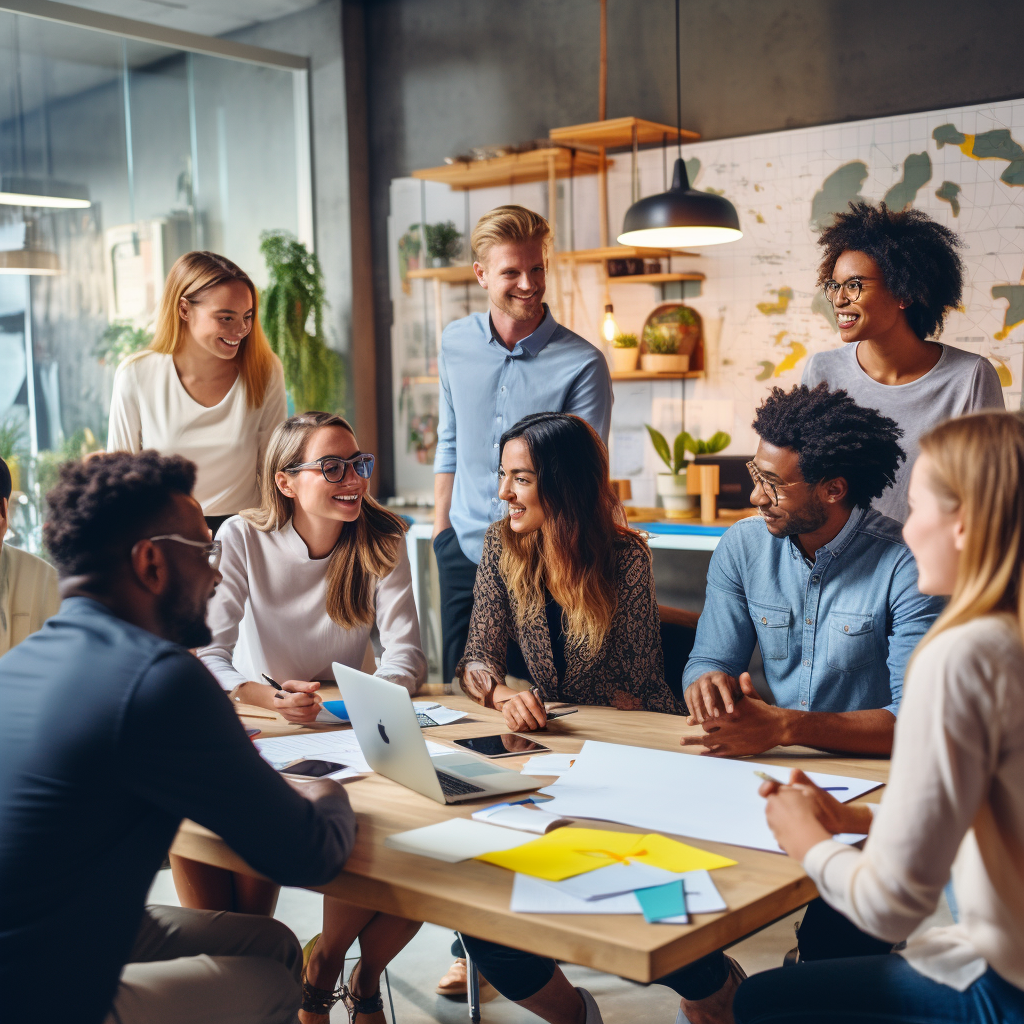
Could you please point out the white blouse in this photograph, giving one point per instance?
(955, 797)
(150, 408)
(269, 614)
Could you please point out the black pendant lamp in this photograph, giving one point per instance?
(682, 216)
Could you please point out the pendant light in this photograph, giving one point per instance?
(31, 257)
(54, 195)
(682, 216)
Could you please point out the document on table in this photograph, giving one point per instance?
(526, 816)
(536, 896)
(708, 798)
(549, 764)
(456, 839)
(436, 713)
(337, 745)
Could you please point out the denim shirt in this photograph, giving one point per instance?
(834, 636)
(485, 389)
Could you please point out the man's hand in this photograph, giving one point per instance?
(314, 789)
(752, 727)
(711, 695)
(444, 485)
(833, 816)
(297, 701)
(524, 712)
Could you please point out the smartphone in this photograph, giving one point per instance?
(504, 745)
(313, 769)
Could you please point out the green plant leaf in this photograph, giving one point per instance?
(718, 441)
(691, 445)
(680, 449)
(660, 446)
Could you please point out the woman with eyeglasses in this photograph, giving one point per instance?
(208, 387)
(305, 577)
(891, 278)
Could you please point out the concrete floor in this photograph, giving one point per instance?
(416, 970)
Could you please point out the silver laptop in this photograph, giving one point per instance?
(384, 722)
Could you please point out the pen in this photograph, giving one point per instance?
(273, 682)
(768, 778)
(833, 789)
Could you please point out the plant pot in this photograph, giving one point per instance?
(624, 359)
(652, 363)
(675, 499)
(440, 261)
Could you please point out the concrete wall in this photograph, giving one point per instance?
(444, 75)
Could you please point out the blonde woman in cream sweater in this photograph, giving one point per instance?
(955, 798)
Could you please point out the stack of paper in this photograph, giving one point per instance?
(700, 797)
(339, 745)
(549, 764)
(523, 815)
(455, 839)
(429, 714)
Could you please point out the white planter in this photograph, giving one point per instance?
(664, 364)
(671, 488)
(624, 359)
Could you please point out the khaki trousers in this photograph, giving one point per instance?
(209, 967)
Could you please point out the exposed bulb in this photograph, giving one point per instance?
(609, 328)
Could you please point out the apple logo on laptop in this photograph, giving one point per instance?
(383, 734)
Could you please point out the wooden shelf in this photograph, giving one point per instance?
(619, 252)
(645, 375)
(453, 275)
(421, 380)
(653, 278)
(617, 133)
(518, 168)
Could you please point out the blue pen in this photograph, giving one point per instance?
(833, 789)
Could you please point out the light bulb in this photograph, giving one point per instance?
(609, 328)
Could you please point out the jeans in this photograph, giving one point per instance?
(456, 575)
(824, 933)
(875, 989)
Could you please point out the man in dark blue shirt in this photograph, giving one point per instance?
(111, 733)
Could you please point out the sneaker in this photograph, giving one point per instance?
(717, 1007)
(593, 1013)
(456, 983)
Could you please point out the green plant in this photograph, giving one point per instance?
(686, 317)
(675, 458)
(120, 340)
(660, 343)
(293, 307)
(408, 249)
(625, 341)
(444, 242)
(12, 437)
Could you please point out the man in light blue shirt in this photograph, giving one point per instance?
(496, 368)
(821, 581)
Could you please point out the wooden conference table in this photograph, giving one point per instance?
(473, 897)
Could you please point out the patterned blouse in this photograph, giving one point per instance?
(626, 673)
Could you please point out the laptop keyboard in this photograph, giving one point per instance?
(452, 786)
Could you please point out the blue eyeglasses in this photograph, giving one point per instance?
(335, 469)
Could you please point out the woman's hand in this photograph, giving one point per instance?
(802, 814)
(297, 701)
(524, 712)
(478, 681)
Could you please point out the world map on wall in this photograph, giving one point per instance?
(964, 167)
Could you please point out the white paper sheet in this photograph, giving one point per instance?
(438, 714)
(456, 839)
(615, 880)
(337, 745)
(707, 798)
(527, 817)
(549, 764)
(536, 896)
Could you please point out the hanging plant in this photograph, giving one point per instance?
(292, 313)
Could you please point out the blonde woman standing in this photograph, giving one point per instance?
(955, 797)
(306, 574)
(208, 387)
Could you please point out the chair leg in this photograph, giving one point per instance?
(472, 987)
(391, 998)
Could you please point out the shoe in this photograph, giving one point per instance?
(715, 1008)
(363, 1011)
(456, 983)
(593, 1013)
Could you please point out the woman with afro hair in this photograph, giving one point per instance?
(891, 277)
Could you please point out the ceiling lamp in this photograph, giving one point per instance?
(35, 262)
(682, 216)
(58, 195)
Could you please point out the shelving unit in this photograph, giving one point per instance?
(462, 274)
(619, 133)
(517, 168)
(654, 278)
(619, 252)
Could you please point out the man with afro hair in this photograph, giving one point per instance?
(892, 277)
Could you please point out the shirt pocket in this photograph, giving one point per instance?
(772, 624)
(851, 641)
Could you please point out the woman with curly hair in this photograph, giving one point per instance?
(891, 277)
(563, 578)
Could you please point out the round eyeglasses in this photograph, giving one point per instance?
(851, 289)
(211, 548)
(335, 470)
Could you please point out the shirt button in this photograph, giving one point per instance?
(810, 622)
(807, 664)
(495, 444)
(764, 621)
(814, 579)
(804, 703)
(494, 501)
(846, 629)
(502, 387)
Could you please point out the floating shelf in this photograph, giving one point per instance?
(617, 133)
(645, 375)
(517, 168)
(653, 278)
(421, 380)
(453, 275)
(619, 252)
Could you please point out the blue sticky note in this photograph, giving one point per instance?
(336, 708)
(661, 901)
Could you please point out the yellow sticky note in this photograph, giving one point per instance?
(572, 851)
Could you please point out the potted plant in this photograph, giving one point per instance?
(292, 312)
(625, 352)
(408, 255)
(672, 486)
(444, 243)
(661, 352)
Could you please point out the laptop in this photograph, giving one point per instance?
(385, 725)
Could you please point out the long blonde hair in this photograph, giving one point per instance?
(368, 548)
(977, 468)
(190, 276)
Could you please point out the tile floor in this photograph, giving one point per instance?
(415, 971)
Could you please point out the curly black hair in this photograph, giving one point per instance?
(101, 507)
(918, 258)
(834, 437)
